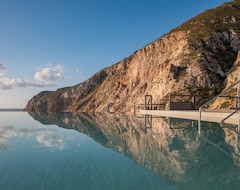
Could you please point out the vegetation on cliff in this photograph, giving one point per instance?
(223, 18)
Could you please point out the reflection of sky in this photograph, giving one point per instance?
(51, 140)
(44, 136)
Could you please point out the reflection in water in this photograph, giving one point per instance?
(51, 140)
(46, 137)
(171, 148)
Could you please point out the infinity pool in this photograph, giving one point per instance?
(83, 151)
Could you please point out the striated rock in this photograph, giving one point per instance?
(229, 99)
(194, 58)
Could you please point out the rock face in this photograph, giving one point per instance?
(194, 58)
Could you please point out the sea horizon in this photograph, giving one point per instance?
(11, 109)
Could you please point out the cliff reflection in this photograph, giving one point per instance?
(171, 148)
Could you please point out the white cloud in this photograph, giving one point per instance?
(44, 78)
(7, 83)
(50, 74)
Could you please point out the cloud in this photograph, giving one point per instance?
(44, 78)
(7, 83)
(50, 74)
(2, 70)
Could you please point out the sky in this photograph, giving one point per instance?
(50, 44)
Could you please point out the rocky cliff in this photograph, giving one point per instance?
(194, 58)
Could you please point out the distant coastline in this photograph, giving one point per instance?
(11, 109)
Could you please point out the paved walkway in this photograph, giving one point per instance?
(212, 116)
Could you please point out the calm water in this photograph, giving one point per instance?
(82, 151)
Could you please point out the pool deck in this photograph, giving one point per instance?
(212, 116)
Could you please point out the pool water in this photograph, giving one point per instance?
(114, 151)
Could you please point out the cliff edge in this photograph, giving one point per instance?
(194, 58)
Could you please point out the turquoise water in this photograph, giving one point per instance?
(112, 151)
(37, 156)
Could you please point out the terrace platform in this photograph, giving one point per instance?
(212, 116)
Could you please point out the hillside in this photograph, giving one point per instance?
(195, 58)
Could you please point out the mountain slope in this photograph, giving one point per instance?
(194, 58)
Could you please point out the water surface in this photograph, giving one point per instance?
(37, 156)
(112, 151)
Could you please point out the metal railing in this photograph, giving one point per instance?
(214, 98)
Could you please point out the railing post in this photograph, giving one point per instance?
(238, 102)
(148, 102)
(238, 127)
(238, 105)
(148, 121)
(194, 101)
(199, 121)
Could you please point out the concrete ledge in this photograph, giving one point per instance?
(212, 116)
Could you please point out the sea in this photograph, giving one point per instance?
(57, 151)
